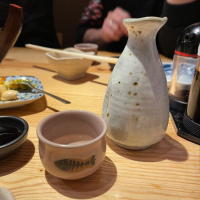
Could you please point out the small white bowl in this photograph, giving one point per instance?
(68, 67)
(72, 143)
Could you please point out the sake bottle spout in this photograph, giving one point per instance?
(144, 26)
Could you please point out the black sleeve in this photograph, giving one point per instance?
(179, 17)
(92, 17)
(38, 26)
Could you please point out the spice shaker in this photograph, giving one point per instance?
(184, 61)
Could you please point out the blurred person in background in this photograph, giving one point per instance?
(38, 25)
(101, 22)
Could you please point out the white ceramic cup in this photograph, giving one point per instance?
(72, 143)
(87, 47)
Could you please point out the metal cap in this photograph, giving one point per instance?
(188, 41)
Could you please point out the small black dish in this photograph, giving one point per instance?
(16, 123)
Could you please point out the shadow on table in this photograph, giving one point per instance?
(87, 78)
(29, 109)
(52, 109)
(47, 69)
(166, 149)
(96, 63)
(112, 65)
(17, 160)
(92, 186)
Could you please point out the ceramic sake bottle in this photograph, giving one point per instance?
(136, 105)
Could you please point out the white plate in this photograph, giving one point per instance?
(168, 70)
(185, 75)
(23, 98)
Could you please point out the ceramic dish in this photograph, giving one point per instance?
(168, 71)
(7, 149)
(23, 98)
(68, 67)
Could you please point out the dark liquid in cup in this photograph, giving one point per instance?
(193, 110)
(182, 95)
(8, 133)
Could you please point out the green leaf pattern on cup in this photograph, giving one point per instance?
(72, 165)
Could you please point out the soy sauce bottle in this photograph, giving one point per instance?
(193, 109)
(184, 61)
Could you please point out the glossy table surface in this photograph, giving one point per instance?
(168, 170)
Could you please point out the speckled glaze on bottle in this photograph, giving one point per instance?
(136, 105)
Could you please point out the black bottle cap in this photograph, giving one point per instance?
(188, 41)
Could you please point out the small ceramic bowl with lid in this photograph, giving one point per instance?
(69, 67)
(72, 143)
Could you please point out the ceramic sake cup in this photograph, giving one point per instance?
(87, 47)
(72, 143)
(69, 67)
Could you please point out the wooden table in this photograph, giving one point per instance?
(168, 170)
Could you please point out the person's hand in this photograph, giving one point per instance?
(113, 28)
(178, 2)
